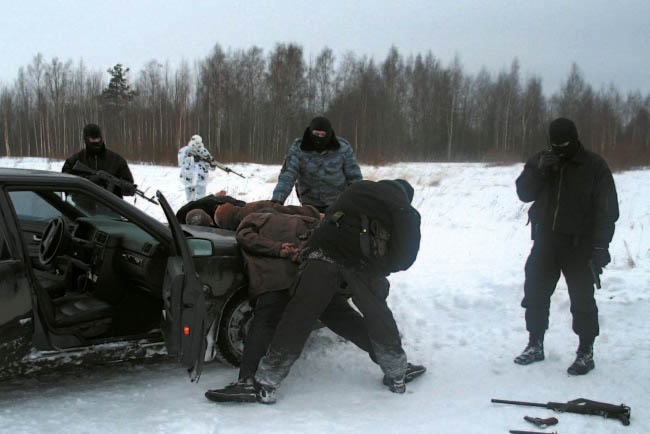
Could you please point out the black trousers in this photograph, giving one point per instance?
(266, 315)
(319, 292)
(269, 307)
(551, 255)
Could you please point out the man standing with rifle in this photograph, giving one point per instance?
(96, 157)
(572, 221)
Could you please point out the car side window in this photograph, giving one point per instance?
(29, 205)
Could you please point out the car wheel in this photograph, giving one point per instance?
(233, 328)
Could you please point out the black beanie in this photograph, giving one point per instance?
(562, 130)
(92, 130)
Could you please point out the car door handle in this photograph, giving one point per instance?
(37, 238)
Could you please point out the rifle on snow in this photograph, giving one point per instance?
(216, 164)
(110, 180)
(581, 406)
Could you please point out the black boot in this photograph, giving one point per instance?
(265, 394)
(241, 391)
(584, 361)
(534, 351)
(412, 372)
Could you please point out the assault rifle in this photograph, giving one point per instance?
(581, 406)
(111, 180)
(212, 162)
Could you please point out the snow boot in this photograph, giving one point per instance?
(412, 372)
(396, 385)
(264, 393)
(241, 391)
(534, 352)
(583, 363)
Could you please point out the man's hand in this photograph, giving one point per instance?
(600, 257)
(547, 161)
(128, 189)
(286, 250)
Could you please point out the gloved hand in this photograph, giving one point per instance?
(547, 161)
(128, 189)
(600, 256)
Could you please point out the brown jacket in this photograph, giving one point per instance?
(260, 236)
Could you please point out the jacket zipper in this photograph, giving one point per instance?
(557, 203)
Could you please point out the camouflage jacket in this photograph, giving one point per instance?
(319, 177)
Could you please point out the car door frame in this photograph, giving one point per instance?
(184, 304)
(17, 319)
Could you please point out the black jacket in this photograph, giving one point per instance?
(382, 201)
(578, 197)
(105, 160)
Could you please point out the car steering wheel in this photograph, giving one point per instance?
(54, 240)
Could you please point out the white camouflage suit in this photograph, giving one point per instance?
(195, 162)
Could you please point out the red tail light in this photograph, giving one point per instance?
(186, 330)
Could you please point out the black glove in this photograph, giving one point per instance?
(196, 158)
(128, 189)
(600, 257)
(548, 161)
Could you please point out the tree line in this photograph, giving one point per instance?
(249, 105)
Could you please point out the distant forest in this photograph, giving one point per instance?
(249, 105)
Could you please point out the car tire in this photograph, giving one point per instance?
(233, 328)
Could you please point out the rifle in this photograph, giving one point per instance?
(212, 162)
(581, 406)
(516, 431)
(110, 180)
(594, 273)
(225, 168)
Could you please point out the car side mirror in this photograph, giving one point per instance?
(199, 247)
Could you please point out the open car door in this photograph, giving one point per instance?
(184, 307)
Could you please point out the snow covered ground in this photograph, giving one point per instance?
(457, 308)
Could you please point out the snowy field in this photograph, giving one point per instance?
(458, 311)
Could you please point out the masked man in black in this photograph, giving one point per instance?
(97, 157)
(572, 220)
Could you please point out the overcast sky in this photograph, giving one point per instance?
(608, 39)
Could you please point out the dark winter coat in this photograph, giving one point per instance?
(231, 216)
(260, 236)
(383, 201)
(578, 197)
(319, 176)
(105, 160)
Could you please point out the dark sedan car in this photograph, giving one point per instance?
(86, 277)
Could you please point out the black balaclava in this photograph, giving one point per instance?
(319, 143)
(560, 131)
(93, 131)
